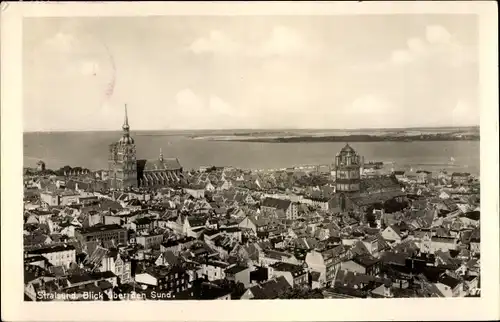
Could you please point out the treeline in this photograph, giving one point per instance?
(66, 170)
(365, 138)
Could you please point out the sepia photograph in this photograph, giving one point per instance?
(191, 156)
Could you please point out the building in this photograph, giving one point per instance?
(126, 172)
(59, 255)
(40, 166)
(296, 275)
(424, 176)
(269, 290)
(271, 206)
(459, 178)
(118, 265)
(348, 170)
(238, 274)
(102, 233)
(165, 279)
(326, 262)
(214, 270)
(149, 241)
(59, 197)
(363, 264)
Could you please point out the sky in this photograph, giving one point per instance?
(250, 72)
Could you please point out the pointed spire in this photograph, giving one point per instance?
(126, 127)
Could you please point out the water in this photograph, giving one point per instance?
(90, 150)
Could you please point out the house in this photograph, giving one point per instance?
(450, 286)
(326, 262)
(392, 234)
(59, 197)
(269, 290)
(178, 245)
(400, 175)
(460, 178)
(239, 274)
(271, 206)
(58, 255)
(206, 291)
(249, 223)
(166, 279)
(149, 240)
(443, 244)
(214, 270)
(296, 275)
(424, 177)
(364, 264)
(119, 265)
(102, 233)
(475, 242)
(268, 257)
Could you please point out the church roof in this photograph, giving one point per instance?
(347, 148)
(165, 164)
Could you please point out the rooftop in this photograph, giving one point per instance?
(99, 228)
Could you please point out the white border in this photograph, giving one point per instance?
(13, 306)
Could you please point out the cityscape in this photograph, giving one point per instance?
(265, 204)
(150, 230)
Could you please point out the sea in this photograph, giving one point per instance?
(90, 150)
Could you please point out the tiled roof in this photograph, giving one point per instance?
(276, 203)
(165, 164)
(271, 289)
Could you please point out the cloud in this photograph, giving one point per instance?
(284, 41)
(281, 41)
(215, 42)
(438, 44)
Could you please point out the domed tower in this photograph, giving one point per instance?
(122, 160)
(347, 170)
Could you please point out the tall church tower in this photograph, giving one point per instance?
(347, 170)
(122, 160)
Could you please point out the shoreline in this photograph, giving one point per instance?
(349, 138)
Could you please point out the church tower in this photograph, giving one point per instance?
(347, 170)
(122, 160)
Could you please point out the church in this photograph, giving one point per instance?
(352, 192)
(127, 172)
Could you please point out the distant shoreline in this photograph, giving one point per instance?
(355, 138)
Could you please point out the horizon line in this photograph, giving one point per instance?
(261, 129)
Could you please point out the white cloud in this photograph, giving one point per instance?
(215, 42)
(438, 44)
(281, 41)
(284, 41)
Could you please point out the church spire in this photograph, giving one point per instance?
(125, 126)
